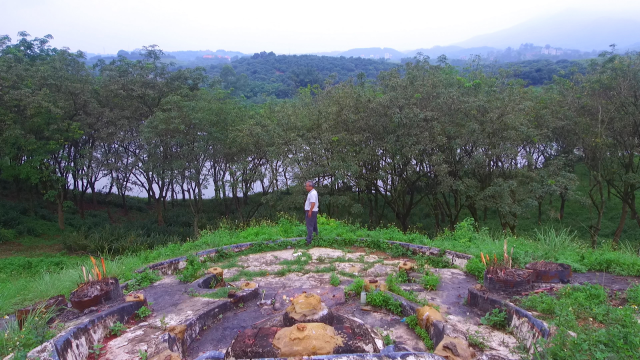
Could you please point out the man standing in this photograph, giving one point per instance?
(311, 211)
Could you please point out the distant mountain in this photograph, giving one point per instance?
(452, 52)
(191, 55)
(571, 28)
(328, 53)
(367, 53)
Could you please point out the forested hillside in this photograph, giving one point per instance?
(265, 75)
(420, 147)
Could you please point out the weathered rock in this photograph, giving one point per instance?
(307, 340)
(167, 355)
(177, 330)
(405, 266)
(248, 285)
(290, 317)
(454, 349)
(307, 308)
(427, 315)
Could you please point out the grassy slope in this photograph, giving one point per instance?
(25, 280)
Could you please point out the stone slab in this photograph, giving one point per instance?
(525, 326)
(75, 342)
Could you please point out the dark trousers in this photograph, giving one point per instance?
(312, 224)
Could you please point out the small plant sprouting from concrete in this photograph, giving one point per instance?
(143, 354)
(143, 280)
(97, 350)
(117, 329)
(386, 337)
(497, 318)
(383, 300)
(143, 312)
(430, 281)
(163, 322)
(412, 322)
(335, 280)
(355, 287)
(476, 339)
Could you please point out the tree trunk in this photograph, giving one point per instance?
(93, 194)
(595, 230)
(474, 213)
(539, 212)
(60, 212)
(81, 205)
(618, 233)
(196, 231)
(159, 209)
(124, 204)
(563, 200)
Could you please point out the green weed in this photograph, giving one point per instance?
(34, 332)
(143, 312)
(430, 281)
(476, 268)
(596, 326)
(355, 287)
(385, 301)
(476, 339)
(96, 350)
(193, 271)
(143, 280)
(247, 275)
(387, 339)
(412, 322)
(142, 355)
(633, 295)
(334, 280)
(496, 318)
(117, 329)
(220, 293)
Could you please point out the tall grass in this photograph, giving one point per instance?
(24, 280)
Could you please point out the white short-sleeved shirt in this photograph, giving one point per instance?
(312, 197)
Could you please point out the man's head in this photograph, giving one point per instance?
(308, 185)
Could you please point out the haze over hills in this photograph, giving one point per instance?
(569, 34)
(570, 28)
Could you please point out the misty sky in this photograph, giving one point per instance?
(282, 26)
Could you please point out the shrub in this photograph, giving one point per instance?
(143, 312)
(7, 235)
(142, 280)
(430, 281)
(497, 318)
(633, 295)
(193, 270)
(335, 280)
(356, 286)
(385, 301)
(542, 303)
(117, 329)
(476, 268)
(34, 332)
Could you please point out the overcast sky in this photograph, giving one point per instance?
(282, 26)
